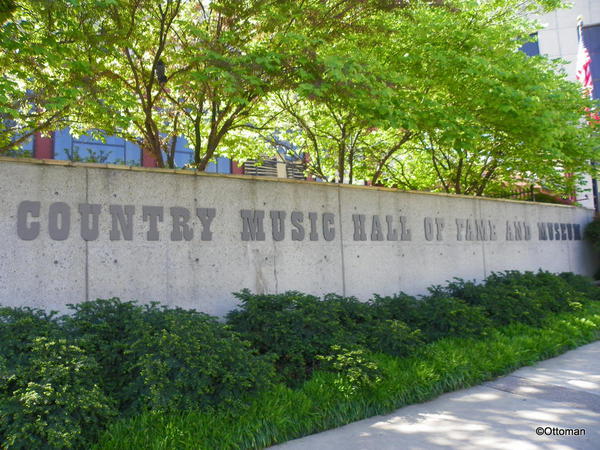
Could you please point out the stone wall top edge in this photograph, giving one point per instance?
(188, 172)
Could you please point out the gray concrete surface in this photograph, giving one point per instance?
(36, 269)
(559, 393)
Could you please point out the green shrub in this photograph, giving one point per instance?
(436, 316)
(52, 400)
(190, 361)
(582, 284)
(18, 329)
(62, 379)
(526, 297)
(441, 316)
(393, 330)
(282, 414)
(155, 357)
(507, 303)
(393, 337)
(355, 370)
(592, 233)
(297, 327)
(402, 307)
(108, 329)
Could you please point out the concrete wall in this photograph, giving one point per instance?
(432, 237)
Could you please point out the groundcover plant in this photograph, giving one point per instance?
(118, 374)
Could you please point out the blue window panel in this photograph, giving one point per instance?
(223, 165)
(63, 143)
(182, 145)
(27, 146)
(183, 154)
(183, 158)
(591, 39)
(84, 148)
(531, 48)
(133, 154)
(105, 154)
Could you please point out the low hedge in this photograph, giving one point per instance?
(63, 379)
(297, 328)
(525, 297)
(321, 403)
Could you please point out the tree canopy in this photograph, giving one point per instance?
(427, 95)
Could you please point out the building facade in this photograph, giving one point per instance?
(559, 39)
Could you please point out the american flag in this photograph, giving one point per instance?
(584, 73)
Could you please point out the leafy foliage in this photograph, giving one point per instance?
(582, 285)
(525, 297)
(442, 316)
(64, 379)
(342, 81)
(434, 316)
(19, 327)
(52, 400)
(282, 414)
(400, 306)
(353, 368)
(485, 117)
(108, 329)
(592, 233)
(298, 327)
(159, 358)
(393, 337)
(190, 361)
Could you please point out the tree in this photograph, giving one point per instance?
(518, 118)
(39, 76)
(7, 8)
(428, 94)
(460, 109)
(343, 147)
(155, 69)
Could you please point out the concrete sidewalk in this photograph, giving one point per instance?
(558, 394)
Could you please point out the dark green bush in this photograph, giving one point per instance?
(18, 329)
(155, 357)
(555, 292)
(51, 400)
(513, 296)
(190, 361)
(582, 284)
(402, 307)
(297, 327)
(436, 316)
(592, 233)
(441, 316)
(109, 329)
(505, 303)
(63, 379)
(393, 337)
(393, 328)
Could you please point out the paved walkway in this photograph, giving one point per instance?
(558, 394)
